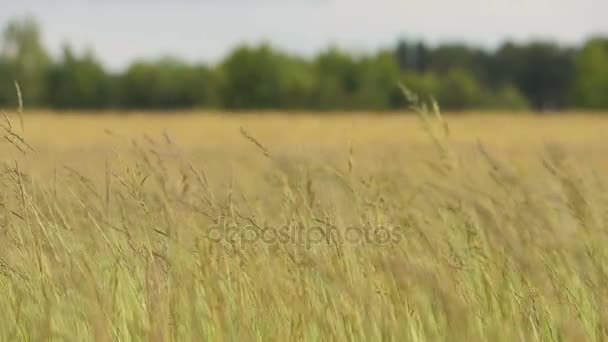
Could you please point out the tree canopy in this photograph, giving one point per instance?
(537, 75)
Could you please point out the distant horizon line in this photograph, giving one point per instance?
(80, 50)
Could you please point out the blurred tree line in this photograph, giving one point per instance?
(537, 75)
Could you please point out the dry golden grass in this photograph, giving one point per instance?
(205, 226)
(216, 129)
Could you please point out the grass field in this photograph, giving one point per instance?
(204, 226)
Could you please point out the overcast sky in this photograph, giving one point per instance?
(120, 31)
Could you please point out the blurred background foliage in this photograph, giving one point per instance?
(540, 75)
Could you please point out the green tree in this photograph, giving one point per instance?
(167, 83)
(542, 71)
(412, 56)
(78, 82)
(507, 97)
(338, 80)
(458, 56)
(7, 89)
(378, 88)
(262, 78)
(27, 58)
(590, 89)
(459, 90)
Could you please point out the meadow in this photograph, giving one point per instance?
(265, 226)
